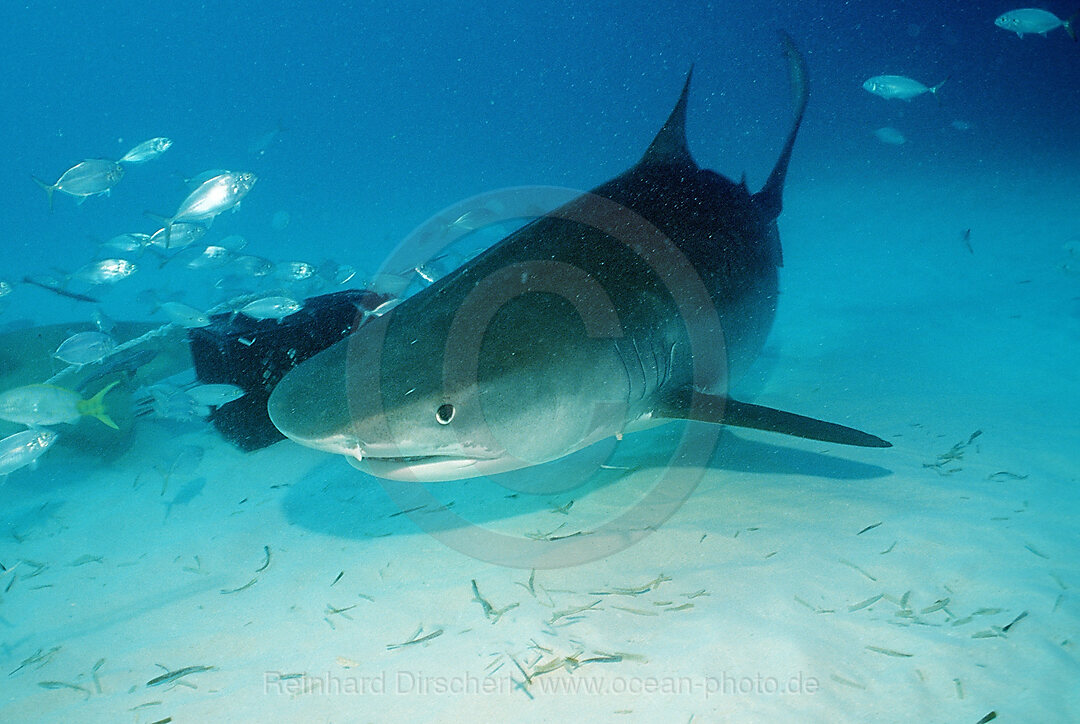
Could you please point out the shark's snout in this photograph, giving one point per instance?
(310, 404)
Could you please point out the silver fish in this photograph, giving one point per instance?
(233, 242)
(5, 288)
(1034, 20)
(271, 308)
(84, 348)
(184, 316)
(200, 178)
(177, 236)
(426, 273)
(231, 286)
(24, 448)
(255, 266)
(130, 243)
(214, 196)
(175, 405)
(147, 150)
(336, 273)
(898, 86)
(105, 271)
(295, 271)
(215, 395)
(86, 178)
(209, 257)
(473, 219)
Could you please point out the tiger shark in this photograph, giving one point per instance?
(631, 305)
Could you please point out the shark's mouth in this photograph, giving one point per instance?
(420, 459)
(431, 468)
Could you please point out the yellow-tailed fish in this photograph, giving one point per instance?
(37, 405)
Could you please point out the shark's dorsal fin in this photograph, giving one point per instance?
(770, 199)
(669, 146)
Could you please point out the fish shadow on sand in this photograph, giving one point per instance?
(333, 499)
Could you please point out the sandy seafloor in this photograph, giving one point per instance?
(756, 609)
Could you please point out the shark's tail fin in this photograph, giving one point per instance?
(95, 406)
(770, 199)
(1070, 25)
(49, 188)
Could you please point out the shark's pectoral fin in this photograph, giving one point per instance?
(726, 411)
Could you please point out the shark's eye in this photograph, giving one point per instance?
(444, 414)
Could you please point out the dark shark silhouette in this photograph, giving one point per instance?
(633, 304)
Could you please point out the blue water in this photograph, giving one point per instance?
(363, 121)
(389, 113)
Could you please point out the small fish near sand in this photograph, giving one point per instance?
(35, 405)
(890, 136)
(147, 150)
(92, 177)
(899, 86)
(190, 490)
(1035, 21)
(172, 676)
(24, 448)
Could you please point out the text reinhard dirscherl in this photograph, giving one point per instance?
(404, 683)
